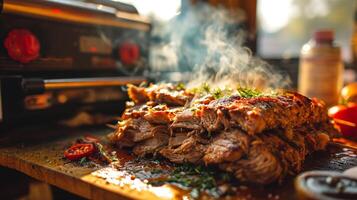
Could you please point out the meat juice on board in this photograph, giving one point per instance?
(321, 68)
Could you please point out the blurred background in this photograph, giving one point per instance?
(274, 30)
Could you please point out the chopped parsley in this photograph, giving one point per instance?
(206, 88)
(180, 86)
(198, 178)
(249, 93)
(83, 161)
(218, 93)
(104, 154)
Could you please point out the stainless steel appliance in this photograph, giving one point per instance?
(58, 56)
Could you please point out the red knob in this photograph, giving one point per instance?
(22, 45)
(129, 53)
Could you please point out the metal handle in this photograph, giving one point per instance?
(55, 84)
(39, 86)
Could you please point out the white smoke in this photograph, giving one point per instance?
(209, 44)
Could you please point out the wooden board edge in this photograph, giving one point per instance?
(72, 184)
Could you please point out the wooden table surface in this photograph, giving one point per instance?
(38, 152)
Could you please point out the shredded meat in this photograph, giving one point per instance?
(191, 150)
(160, 139)
(259, 166)
(186, 120)
(257, 139)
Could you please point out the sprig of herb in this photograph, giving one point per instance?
(206, 89)
(83, 160)
(180, 86)
(217, 93)
(248, 92)
(103, 153)
(203, 89)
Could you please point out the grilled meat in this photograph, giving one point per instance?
(227, 146)
(255, 115)
(191, 150)
(186, 120)
(260, 166)
(164, 93)
(159, 139)
(258, 139)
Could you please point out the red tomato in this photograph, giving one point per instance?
(333, 110)
(346, 120)
(78, 151)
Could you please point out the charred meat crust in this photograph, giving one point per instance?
(254, 115)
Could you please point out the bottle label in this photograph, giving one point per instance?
(321, 77)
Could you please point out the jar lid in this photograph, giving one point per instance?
(324, 35)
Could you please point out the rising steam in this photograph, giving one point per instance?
(209, 44)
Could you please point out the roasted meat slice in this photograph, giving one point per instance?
(136, 111)
(175, 98)
(214, 119)
(257, 114)
(259, 166)
(270, 158)
(290, 158)
(177, 139)
(162, 93)
(186, 120)
(150, 146)
(137, 94)
(139, 130)
(135, 130)
(227, 146)
(159, 114)
(294, 138)
(317, 141)
(191, 150)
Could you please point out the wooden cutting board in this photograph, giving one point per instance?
(38, 152)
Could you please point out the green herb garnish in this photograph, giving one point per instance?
(206, 88)
(217, 93)
(180, 86)
(83, 160)
(249, 93)
(199, 178)
(103, 153)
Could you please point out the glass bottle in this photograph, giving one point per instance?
(321, 68)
